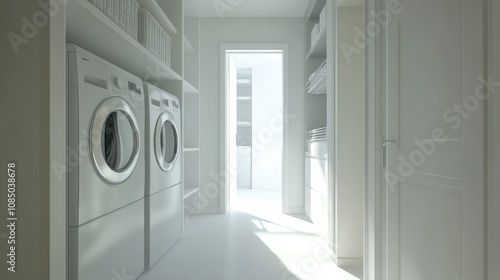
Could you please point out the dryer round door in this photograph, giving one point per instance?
(114, 140)
(166, 142)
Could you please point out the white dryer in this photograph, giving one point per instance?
(106, 169)
(163, 202)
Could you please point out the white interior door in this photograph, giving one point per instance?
(434, 176)
(232, 130)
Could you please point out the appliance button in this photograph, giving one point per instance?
(119, 84)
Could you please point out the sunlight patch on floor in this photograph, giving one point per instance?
(293, 239)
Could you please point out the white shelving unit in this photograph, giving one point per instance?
(191, 111)
(244, 99)
(316, 207)
(244, 124)
(189, 88)
(317, 53)
(335, 203)
(188, 192)
(349, 3)
(157, 12)
(318, 47)
(90, 29)
(244, 107)
(188, 47)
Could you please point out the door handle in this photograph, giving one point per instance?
(384, 143)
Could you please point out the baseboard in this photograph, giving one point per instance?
(343, 262)
(293, 210)
(210, 211)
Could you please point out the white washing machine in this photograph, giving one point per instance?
(106, 169)
(163, 200)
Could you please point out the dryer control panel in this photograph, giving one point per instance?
(124, 87)
(170, 104)
(161, 100)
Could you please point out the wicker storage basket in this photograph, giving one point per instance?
(122, 12)
(153, 37)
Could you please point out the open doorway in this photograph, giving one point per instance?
(254, 95)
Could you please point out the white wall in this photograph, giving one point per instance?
(214, 32)
(267, 107)
(24, 126)
(349, 138)
(267, 110)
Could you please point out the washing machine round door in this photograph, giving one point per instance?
(166, 142)
(114, 140)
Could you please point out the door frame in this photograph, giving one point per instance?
(493, 195)
(57, 189)
(224, 187)
(374, 61)
(373, 58)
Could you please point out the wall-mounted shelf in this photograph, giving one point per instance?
(189, 191)
(244, 99)
(244, 124)
(189, 88)
(191, 100)
(188, 47)
(318, 47)
(244, 81)
(88, 27)
(320, 88)
(349, 3)
(156, 11)
(314, 9)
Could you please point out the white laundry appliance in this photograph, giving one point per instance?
(163, 200)
(106, 169)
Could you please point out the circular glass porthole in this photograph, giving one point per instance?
(166, 142)
(114, 140)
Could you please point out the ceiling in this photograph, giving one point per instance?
(251, 8)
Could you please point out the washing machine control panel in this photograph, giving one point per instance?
(123, 87)
(171, 105)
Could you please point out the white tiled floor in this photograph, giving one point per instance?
(253, 242)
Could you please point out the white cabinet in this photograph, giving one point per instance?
(334, 184)
(316, 174)
(316, 189)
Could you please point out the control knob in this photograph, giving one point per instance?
(119, 83)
